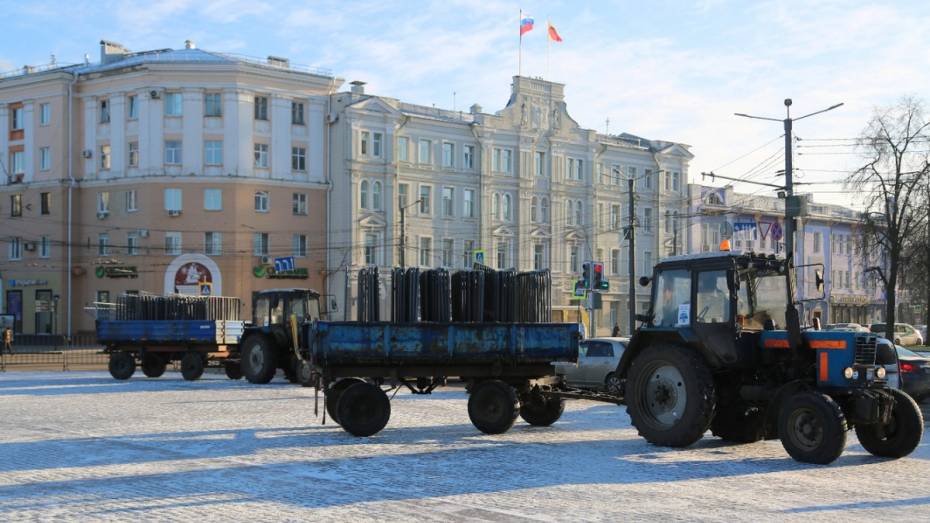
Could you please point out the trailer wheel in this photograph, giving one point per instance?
(364, 409)
(671, 396)
(812, 428)
(739, 425)
(305, 373)
(541, 411)
(290, 369)
(493, 406)
(192, 365)
(334, 392)
(122, 365)
(233, 370)
(901, 435)
(258, 359)
(153, 365)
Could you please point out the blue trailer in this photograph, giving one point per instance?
(506, 367)
(155, 343)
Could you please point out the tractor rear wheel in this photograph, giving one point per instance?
(153, 364)
(192, 365)
(812, 428)
(901, 435)
(233, 369)
(258, 359)
(493, 406)
(122, 365)
(738, 424)
(334, 392)
(364, 409)
(541, 411)
(671, 395)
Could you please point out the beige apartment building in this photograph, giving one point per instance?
(161, 171)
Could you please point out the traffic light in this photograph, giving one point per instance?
(586, 276)
(599, 281)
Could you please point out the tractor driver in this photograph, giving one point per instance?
(669, 307)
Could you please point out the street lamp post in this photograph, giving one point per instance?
(403, 232)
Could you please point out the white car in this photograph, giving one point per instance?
(597, 362)
(904, 334)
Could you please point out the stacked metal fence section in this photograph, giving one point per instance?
(176, 307)
(435, 296)
(405, 295)
(369, 295)
(468, 296)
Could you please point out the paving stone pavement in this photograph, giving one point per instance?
(82, 446)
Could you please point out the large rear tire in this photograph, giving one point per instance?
(541, 411)
(192, 365)
(812, 428)
(671, 395)
(334, 392)
(258, 360)
(153, 364)
(122, 365)
(364, 409)
(493, 406)
(901, 435)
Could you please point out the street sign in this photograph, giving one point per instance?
(479, 256)
(283, 264)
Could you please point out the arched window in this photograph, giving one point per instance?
(496, 208)
(508, 211)
(544, 210)
(376, 196)
(579, 214)
(534, 215)
(569, 214)
(363, 195)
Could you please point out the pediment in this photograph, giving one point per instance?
(374, 104)
(676, 151)
(574, 235)
(502, 230)
(372, 221)
(540, 232)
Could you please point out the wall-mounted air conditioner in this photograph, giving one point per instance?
(101, 215)
(29, 246)
(15, 178)
(143, 233)
(267, 259)
(87, 153)
(154, 94)
(174, 212)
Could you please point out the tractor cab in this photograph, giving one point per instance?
(273, 308)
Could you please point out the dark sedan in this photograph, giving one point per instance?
(915, 373)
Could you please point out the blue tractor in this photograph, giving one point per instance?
(722, 348)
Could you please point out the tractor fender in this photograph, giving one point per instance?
(645, 338)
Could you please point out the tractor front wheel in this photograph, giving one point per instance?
(258, 359)
(812, 428)
(901, 435)
(671, 395)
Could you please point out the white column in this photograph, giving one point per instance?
(192, 131)
(118, 145)
(5, 167)
(244, 121)
(315, 131)
(29, 134)
(230, 131)
(280, 137)
(90, 135)
(151, 133)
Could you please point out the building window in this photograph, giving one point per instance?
(18, 161)
(212, 104)
(173, 104)
(299, 204)
(45, 114)
(105, 157)
(647, 178)
(507, 208)
(172, 200)
(103, 296)
(260, 244)
(45, 247)
(448, 154)
(172, 243)
(45, 158)
(363, 194)
(105, 111)
(376, 195)
(426, 147)
(16, 120)
(377, 141)
(676, 181)
(468, 158)
(261, 108)
(468, 252)
(133, 102)
(213, 199)
(402, 195)
(371, 248)
(45, 203)
(647, 219)
(544, 210)
(103, 244)
(403, 147)
(615, 216)
(448, 247)
(133, 154)
(103, 202)
(816, 242)
(647, 262)
(502, 248)
(213, 243)
(569, 212)
(502, 161)
(298, 158)
(132, 244)
(297, 113)
(363, 143)
(131, 201)
(496, 207)
(579, 213)
(15, 250)
(540, 164)
(299, 245)
(448, 201)
(213, 152)
(534, 210)
(426, 251)
(261, 155)
(261, 201)
(468, 203)
(615, 262)
(539, 253)
(425, 199)
(173, 152)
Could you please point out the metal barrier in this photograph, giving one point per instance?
(54, 357)
(369, 295)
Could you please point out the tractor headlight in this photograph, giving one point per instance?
(848, 373)
(880, 373)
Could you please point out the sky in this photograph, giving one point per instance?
(673, 71)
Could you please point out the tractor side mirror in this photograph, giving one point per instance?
(645, 281)
(818, 279)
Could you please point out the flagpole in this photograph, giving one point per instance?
(520, 47)
(548, 44)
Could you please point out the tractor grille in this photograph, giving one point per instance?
(865, 349)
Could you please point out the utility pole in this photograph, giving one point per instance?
(632, 239)
(403, 232)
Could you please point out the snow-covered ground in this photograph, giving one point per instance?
(79, 445)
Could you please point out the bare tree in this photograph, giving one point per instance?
(893, 183)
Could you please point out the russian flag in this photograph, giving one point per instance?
(526, 24)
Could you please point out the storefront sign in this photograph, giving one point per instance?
(268, 271)
(27, 283)
(193, 278)
(116, 271)
(849, 300)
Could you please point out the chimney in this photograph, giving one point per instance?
(189, 44)
(358, 87)
(475, 109)
(111, 52)
(278, 61)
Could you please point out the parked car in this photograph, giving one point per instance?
(887, 356)
(854, 327)
(915, 373)
(904, 334)
(922, 329)
(597, 360)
